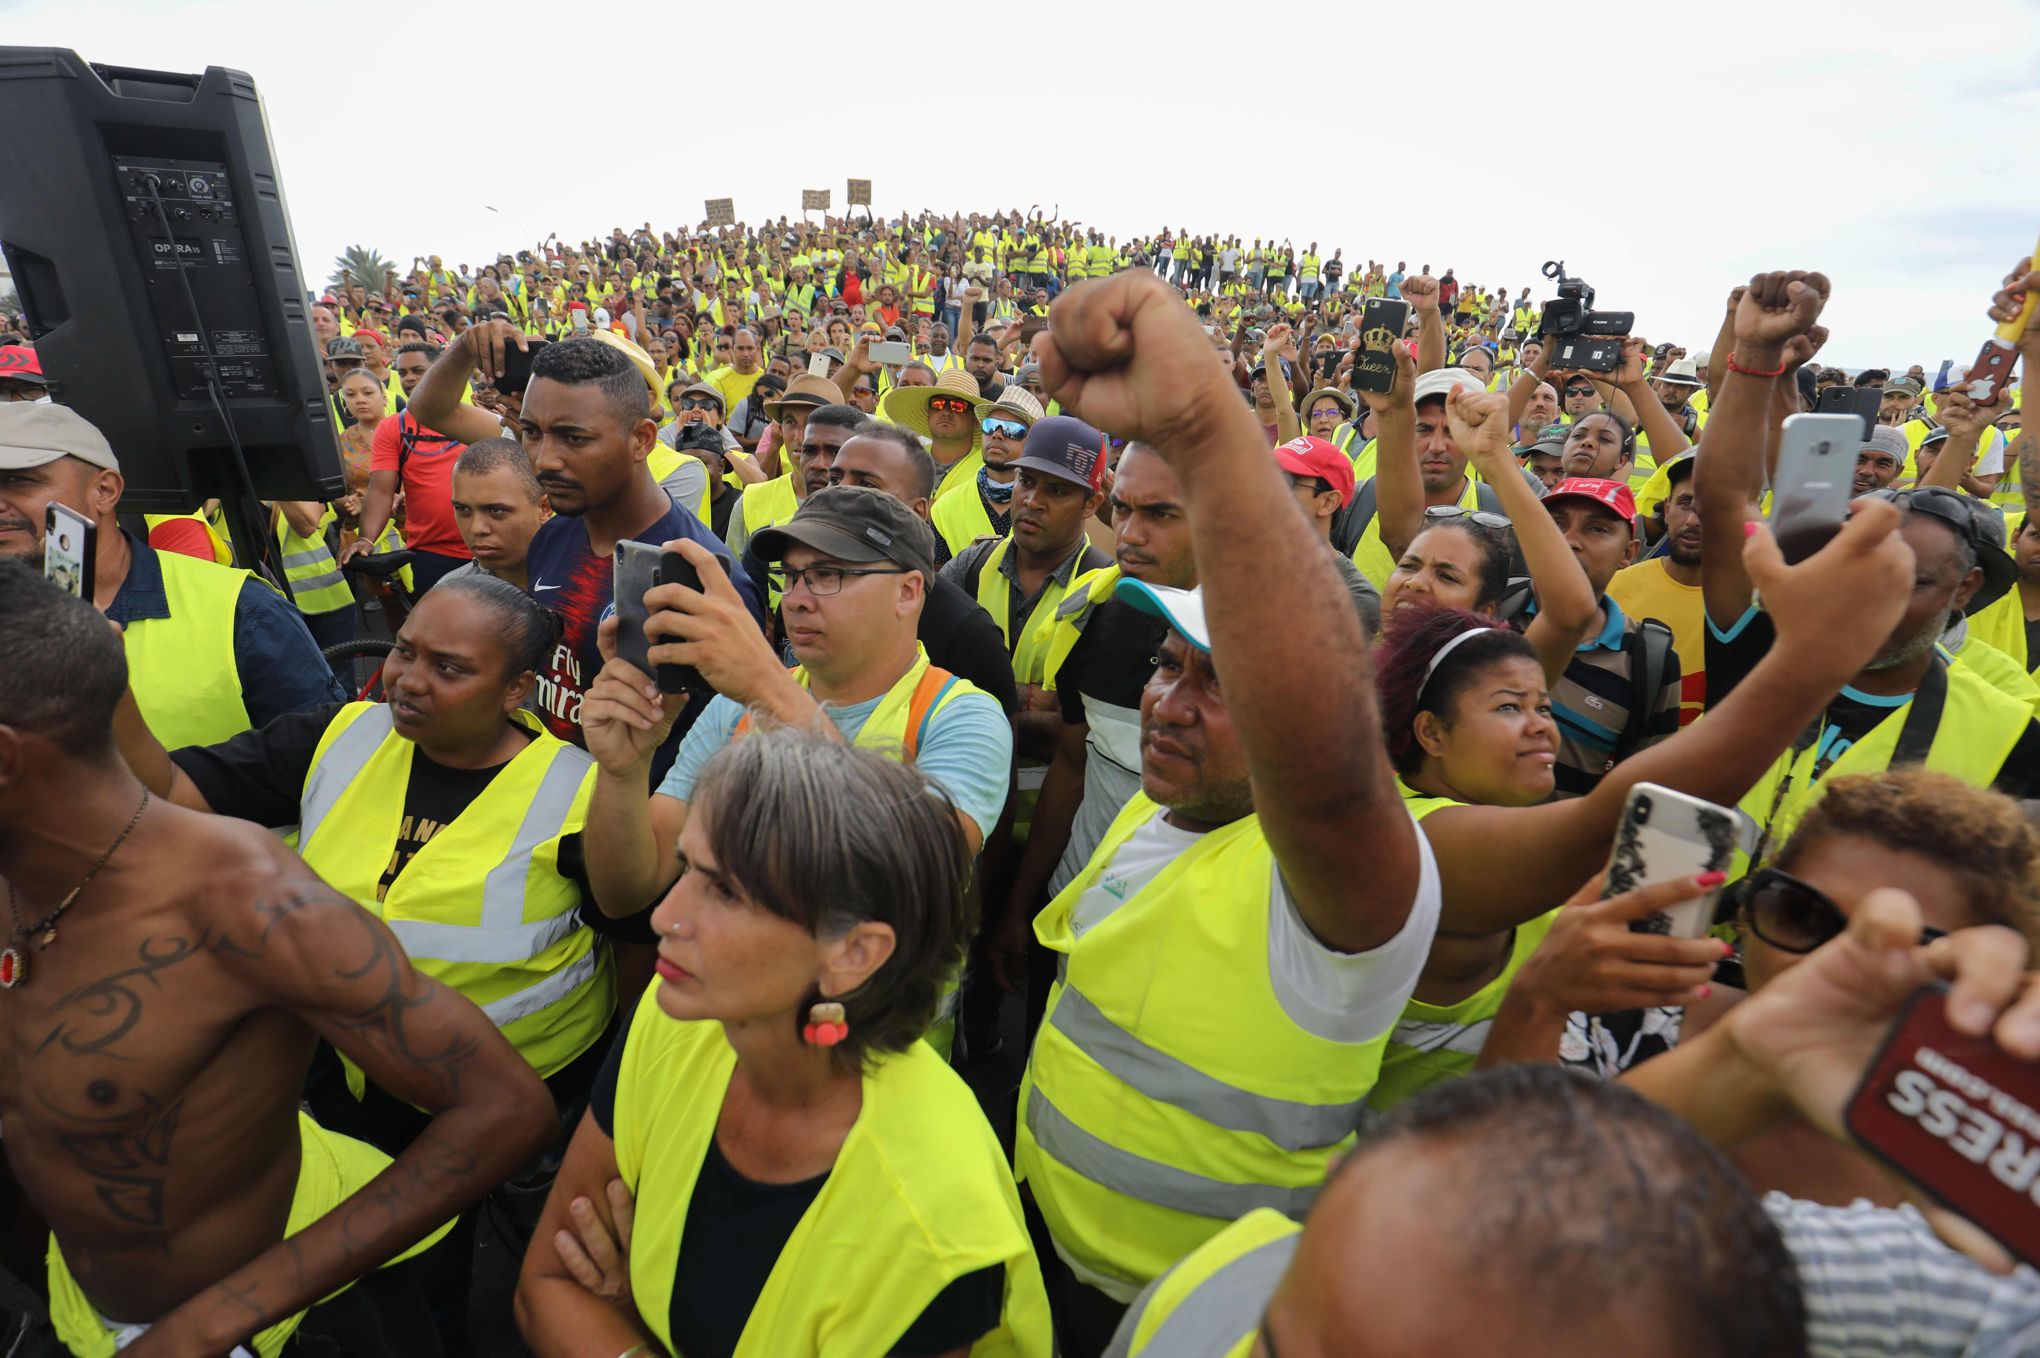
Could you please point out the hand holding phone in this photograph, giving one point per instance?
(70, 550)
(1664, 835)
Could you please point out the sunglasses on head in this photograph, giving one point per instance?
(955, 405)
(1479, 516)
(1789, 914)
(1949, 506)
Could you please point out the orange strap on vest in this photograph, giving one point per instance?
(934, 683)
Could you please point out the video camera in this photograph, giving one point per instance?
(1579, 336)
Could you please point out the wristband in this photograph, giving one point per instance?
(1736, 367)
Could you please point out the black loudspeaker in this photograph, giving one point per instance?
(141, 215)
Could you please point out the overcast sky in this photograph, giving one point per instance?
(1665, 152)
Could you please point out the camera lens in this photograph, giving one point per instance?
(1642, 816)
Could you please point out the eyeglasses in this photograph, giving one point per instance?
(954, 405)
(1011, 429)
(1791, 915)
(1482, 517)
(821, 580)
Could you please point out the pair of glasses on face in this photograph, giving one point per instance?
(1434, 513)
(954, 405)
(1791, 915)
(697, 403)
(1011, 429)
(821, 580)
(1579, 391)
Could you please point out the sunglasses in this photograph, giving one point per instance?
(1789, 914)
(1579, 391)
(954, 405)
(1011, 429)
(1479, 516)
(1949, 506)
(699, 403)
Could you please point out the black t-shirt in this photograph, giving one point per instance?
(1851, 715)
(1111, 660)
(259, 775)
(736, 1230)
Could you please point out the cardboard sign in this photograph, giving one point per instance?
(814, 200)
(722, 212)
(860, 193)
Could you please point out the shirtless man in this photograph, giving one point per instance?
(155, 1036)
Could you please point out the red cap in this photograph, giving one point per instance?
(328, 300)
(577, 306)
(1613, 495)
(1309, 456)
(18, 361)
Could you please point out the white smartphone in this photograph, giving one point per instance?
(580, 322)
(818, 365)
(1666, 834)
(1816, 476)
(892, 353)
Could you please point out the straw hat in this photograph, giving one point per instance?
(908, 406)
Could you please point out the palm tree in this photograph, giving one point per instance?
(363, 266)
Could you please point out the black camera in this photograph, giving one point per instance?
(1572, 311)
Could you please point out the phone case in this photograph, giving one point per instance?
(1815, 479)
(1665, 834)
(1381, 326)
(637, 570)
(1957, 1116)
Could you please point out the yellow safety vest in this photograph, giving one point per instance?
(1436, 1042)
(918, 1197)
(1978, 727)
(316, 583)
(1170, 1091)
(1210, 1305)
(482, 907)
(2002, 624)
(994, 594)
(222, 550)
(1083, 596)
(1308, 267)
(1999, 670)
(960, 517)
(1104, 259)
(767, 504)
(182, 668)
(664, 461)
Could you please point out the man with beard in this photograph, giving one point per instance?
(1879, 460)
(1540, 414)
(1667, 587)
(588, 429)
(1909, 705)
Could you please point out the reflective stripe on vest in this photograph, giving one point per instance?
(316, 584)
(1181, 1079)
(482, 906)
(183, 668)
(1211, 1304)
(1084, 594)
(896, 726)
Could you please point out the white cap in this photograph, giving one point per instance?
(33, 433)
(1441, 380)
(1182, 609)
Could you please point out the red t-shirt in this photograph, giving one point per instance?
(427, 482)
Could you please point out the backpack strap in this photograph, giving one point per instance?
(1649, 661)
(928, 694)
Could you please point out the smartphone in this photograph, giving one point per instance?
(70, 542)
(818, 365)
(580, 322)
(1590, 353)
(640, 566)
(1956, 1115)
(516, 375)
(1842, 399)
(1666, 834)
(1815, 478)
(892, 353)
(1381, 325)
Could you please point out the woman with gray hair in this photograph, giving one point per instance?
(772, 1161)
